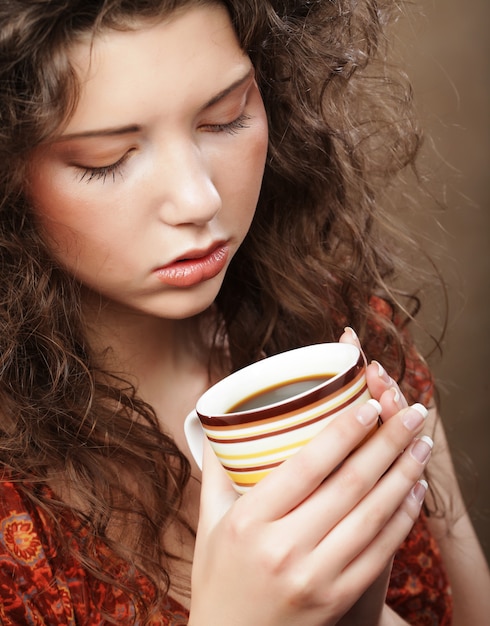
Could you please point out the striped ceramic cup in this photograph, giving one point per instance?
(260, 415)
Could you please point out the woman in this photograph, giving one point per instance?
(187, 186)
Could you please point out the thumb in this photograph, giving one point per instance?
(217, 491)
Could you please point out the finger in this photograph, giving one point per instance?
(349, 336)
(345, 489)
(217, 491)
(382, 387)
(378, 379)
(392, 401)
(358, 529)
(298, 477)
(371, 561)
(378, 453)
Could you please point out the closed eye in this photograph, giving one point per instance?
(232, 127)
(102, 172)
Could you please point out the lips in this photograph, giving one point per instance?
(195, 266)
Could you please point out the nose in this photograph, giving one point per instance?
(185, 191)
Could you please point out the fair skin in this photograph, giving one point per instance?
(175, 106)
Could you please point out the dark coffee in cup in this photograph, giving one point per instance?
(278, 393)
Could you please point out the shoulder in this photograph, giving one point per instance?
(33, 588)
(44, 581)
(24, 567)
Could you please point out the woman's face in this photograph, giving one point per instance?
(148, 192)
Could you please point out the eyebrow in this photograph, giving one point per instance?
(125, 130)
(235, 85)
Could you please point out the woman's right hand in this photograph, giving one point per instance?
(302, 546)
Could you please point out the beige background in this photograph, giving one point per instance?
(446, 51)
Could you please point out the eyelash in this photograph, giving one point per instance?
(101, 173)
(232, 127)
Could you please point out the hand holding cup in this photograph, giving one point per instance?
(261, 415)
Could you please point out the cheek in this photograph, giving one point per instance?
(259, 151)
(63, 219)
(245, 181)
(261, 142)
(248, 165)
(47, 202)
(253, 163)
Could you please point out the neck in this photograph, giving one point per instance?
(167, 361)
(142, 348)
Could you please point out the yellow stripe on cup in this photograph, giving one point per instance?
(226, 458)
(244, 481)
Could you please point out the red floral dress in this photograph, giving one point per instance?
(40, 586)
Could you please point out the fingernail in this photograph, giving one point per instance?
(414, 416)
(419, 490)
(350, 330)
(382, 373)
(368, 413)
(397, 398)
(422, 448)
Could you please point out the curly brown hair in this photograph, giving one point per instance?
(341, 129)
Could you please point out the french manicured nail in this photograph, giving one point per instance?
(422, 448)
(368, 413)
(414, 416)
(397, 398)
(350, 330)
(419, 490)
(382, 373)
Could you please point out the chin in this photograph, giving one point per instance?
(189, 303)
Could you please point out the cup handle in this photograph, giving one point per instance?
(195, 436)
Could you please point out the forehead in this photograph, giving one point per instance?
(179, 57)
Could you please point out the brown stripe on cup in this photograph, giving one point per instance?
(333, 383)
(213, 434)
